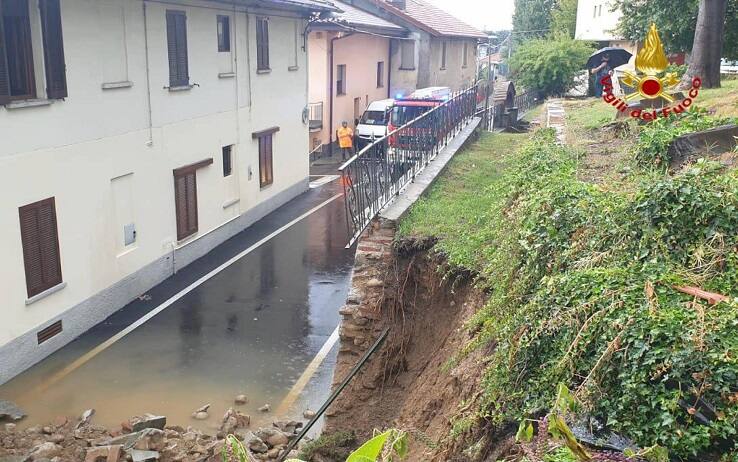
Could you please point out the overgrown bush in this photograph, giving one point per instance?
(549, 65)
(654, 138)
(585, 294)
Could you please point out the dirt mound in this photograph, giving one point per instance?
(413, 382)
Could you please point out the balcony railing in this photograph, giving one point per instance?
(373, 177)
(315, 115)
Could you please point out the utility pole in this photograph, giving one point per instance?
(489, 82)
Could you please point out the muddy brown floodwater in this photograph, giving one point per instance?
(251, 329)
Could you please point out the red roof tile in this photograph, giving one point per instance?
(441, 22)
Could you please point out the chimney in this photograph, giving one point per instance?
(400, 4)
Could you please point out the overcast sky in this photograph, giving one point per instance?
(489, 14)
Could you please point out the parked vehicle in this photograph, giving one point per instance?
(728, 67)
(408, 109)
(373, 123)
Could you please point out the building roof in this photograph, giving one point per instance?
(304, 5)
(360, 19)
(436, 21)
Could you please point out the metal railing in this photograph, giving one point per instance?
(316, 153)
(525, 101)
(315, 115)
(374, 176)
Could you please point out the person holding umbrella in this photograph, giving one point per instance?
(601, 71)
(603, 61)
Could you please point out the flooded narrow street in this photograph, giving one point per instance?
(251, 328)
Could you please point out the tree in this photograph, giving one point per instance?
(564, 18)
(677, 22)
(549, 65)
(707, 48)
(532, 18)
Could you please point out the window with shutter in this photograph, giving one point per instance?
(341, 80)
(179, 75)
(407, 54)
(227, 160)
(40, 241)
(262, 43)
(185, 198)
(266, 172)
(4, 75)
(185, 193)
(443, 55)
(51, 27)
(17, 78)
(380, 74)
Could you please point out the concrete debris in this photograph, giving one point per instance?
(241, 400)
(308, 414)
(272, 436)
(288, 426)
(233, 420)
(139, 423)
(86, 416)
(46, 450)
(265, 408)
(109, 453)
(200, 416)
(138, 455)
(204, 408)
(9, 410)
(257, 445)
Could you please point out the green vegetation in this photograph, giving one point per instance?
(336, 446)
(654, 138)
(388, 446)
(549, 65)
(676, 20)
(583, 289)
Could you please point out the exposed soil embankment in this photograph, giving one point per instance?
(412, 382)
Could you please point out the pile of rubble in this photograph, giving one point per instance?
(145, 438)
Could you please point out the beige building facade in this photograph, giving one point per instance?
(177, 125)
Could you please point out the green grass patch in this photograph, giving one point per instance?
(459, 206)
(582, 281)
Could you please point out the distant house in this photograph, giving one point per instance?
(135, 136)
(442, 51)
(597, 21)
(349, 57)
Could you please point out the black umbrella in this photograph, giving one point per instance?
(618, 57)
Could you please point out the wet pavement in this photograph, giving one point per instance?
(252, 328)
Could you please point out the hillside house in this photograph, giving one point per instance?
(442, 51)
(349, 57)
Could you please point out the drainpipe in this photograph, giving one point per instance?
(332, 90)
(389, 70)
(150, 142)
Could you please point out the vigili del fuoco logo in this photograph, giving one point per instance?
(650, 63)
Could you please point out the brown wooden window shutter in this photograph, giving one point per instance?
(40, 241)
(185, 191)
(4, 75)
(266, 170)
(177, 47)
(262, 43)
(56, 72)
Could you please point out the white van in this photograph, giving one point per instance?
(373, 123)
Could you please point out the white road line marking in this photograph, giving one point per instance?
(323, 180)
(308, 374)
(112, 340)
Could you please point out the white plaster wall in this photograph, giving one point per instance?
(596, 21)
(72, 149)
(318, 43)
(360, 53)
(455, 74)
